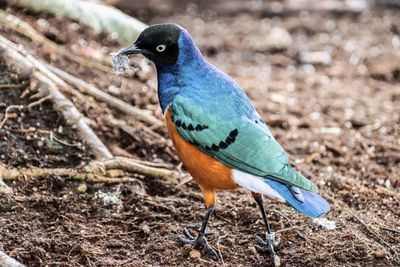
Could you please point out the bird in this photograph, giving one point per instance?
(218, 135)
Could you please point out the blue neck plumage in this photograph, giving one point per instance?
(172, 78)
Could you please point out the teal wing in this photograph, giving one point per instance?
(237, 141)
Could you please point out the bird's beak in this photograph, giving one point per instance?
(130, 50)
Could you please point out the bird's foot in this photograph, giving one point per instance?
(199, 242)
(269, 246)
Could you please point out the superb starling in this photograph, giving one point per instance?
(219, 136)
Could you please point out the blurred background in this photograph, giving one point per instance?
(324, 75)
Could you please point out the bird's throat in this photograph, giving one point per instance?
(169, 85)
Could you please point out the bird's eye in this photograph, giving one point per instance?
(161, 48)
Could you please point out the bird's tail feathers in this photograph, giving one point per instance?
(306, 202)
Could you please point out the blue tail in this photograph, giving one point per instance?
(314, 205)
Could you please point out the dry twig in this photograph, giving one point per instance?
(394, 230)
(219, 251)
(133, 131)
(132, 166)
(118, 151)
(10, 85)
(379, 239)
(8, 113)
(292, 227)
(86, 88)
(40, 101)
(186, 180)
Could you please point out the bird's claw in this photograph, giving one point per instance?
(269, 246)
(261, 245)
(271, 243)
(199, 242)
(187, 234)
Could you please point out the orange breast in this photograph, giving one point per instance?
(209, 173)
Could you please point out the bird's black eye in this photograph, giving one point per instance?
(161, 48)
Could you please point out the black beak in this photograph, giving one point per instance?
(130, 50)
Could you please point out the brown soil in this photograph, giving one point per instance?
(340, 124)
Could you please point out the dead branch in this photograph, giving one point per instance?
(135, 167)
(88, 175)
(108, 171)
(86, 88)
(119, 151)
(24, 28)
(49, 83)
(14, 60)
(96, 15)
(7, 261)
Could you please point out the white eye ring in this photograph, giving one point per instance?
(161, 48)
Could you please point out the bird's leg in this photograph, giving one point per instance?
(271, 241)
(200, 241)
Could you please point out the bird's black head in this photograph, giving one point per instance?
(159, 43)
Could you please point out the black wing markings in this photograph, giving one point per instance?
(223, 144)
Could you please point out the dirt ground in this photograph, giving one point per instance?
(339, 123)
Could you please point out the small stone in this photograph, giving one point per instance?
(74, 26)
(43, 24)
(325, 223)
(82, 187)
(277, 261)
(195, 254)
(252, 249)
(145, 228)
(330, 130)
(277, 39)
(115, 243)
(380, 253)
(112, 89)
(315, 58)
(374, 229)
